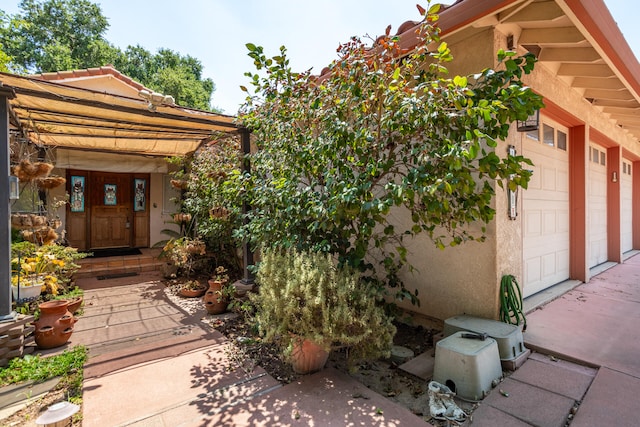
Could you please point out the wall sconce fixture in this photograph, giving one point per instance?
(530, 124)
(14, 188)
(614, 176)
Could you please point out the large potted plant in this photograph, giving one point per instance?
(306, 302)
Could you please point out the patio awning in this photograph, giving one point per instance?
(57, 115)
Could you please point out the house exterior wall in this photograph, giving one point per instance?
(463, 279)
(159, 219)
(466, 279)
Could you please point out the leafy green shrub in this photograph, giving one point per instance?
(307, 294)
(383, 134)
(37, 368)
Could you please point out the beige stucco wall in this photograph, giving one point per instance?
(159, 220)
(466, 279)
(462, 279)
(106, 83)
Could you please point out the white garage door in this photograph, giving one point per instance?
(626, 192)
(546, 209)
(597, 206)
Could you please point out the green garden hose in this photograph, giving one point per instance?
(511, 302)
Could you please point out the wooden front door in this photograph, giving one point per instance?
(111, 210)
(107, 210)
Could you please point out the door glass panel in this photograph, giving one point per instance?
(547, 135)
(562, 141)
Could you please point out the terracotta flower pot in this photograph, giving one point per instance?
(191, 292)
(214, 302)
(74, 304)
(307, 357)
(55, 325)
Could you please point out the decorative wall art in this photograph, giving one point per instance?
(110, 195)
(77, 194)
(139, 199)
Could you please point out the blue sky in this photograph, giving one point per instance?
(216, 31)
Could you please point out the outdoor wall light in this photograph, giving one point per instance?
(14, 188)
(530, 124)
(614, 176)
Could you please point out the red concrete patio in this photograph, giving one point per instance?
(152, 364)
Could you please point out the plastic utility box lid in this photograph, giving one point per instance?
(509, 337)
(469, 367)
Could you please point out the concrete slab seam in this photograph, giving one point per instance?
(149, 362)
(199, 397)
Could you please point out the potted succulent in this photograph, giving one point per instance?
(33, 272)
(309, 305)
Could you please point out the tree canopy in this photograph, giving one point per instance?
(382, 147)
(55, 35)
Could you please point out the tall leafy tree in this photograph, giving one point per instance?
(57, 35)
(382, 147)
(54, 35)
(170, 73)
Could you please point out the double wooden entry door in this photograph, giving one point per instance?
(101, 212)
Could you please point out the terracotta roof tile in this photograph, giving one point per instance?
(89, 72)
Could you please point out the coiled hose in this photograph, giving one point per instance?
(511, 301)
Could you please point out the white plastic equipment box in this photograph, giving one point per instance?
(469, 367)
(509, 337)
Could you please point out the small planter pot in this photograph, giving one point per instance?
(55, 325)
(214, 302)
(74, 304)
(192, 293)
(26, 292)
(307, 357)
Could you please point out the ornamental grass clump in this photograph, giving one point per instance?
(306, 295)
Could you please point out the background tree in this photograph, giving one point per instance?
(54, 35)
(382, 147)
(170, 73)
(57, 35)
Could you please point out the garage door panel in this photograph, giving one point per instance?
(549, 177)
(597, 207)
(533, 223)
(563, 181)
(533, 271)
(549, 224)
(546, 216)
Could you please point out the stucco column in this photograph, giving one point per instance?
(578, 163)
(614, 211)
(636, 204)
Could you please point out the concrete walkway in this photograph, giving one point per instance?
(153, 365)
(594, 326)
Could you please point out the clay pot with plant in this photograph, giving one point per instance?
(309, 306)
(220, 292)
(192, 289)
(55, 324)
